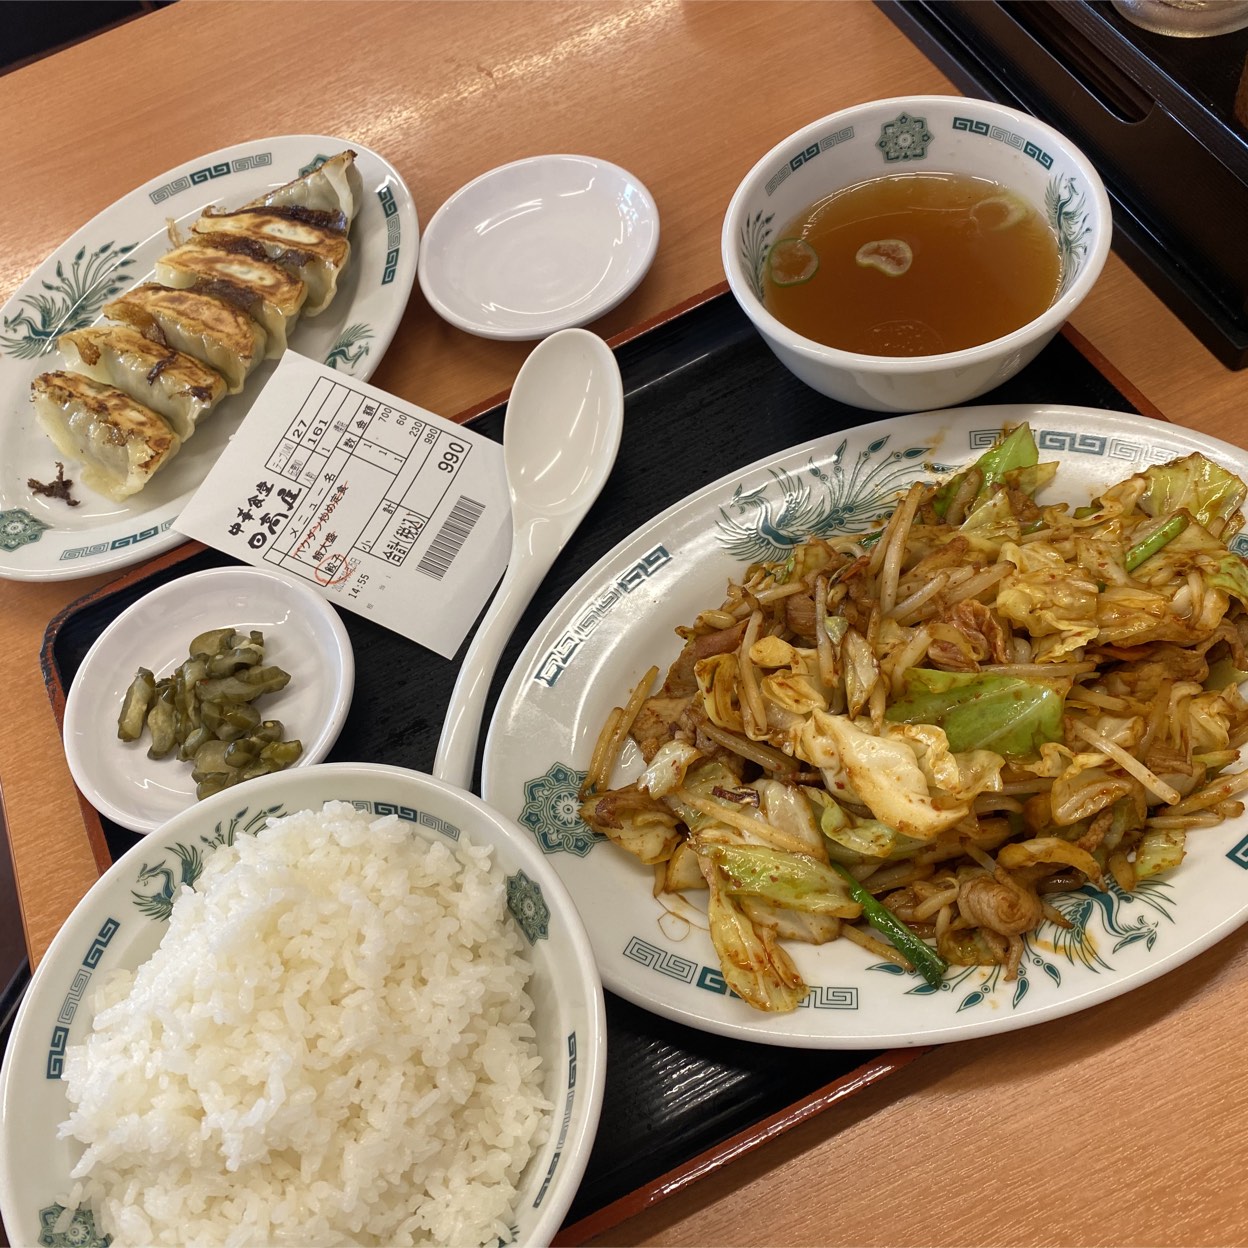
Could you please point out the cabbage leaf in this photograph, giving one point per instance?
(1230, 574)
(1050, 598)
(861, 838)
(899, 774)
(1014, 451)
(1012, 715)
(1193, 484)
(754, 965)
(796, 881)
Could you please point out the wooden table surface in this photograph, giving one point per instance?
(1125, 1124)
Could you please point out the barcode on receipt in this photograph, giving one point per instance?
(450, 537)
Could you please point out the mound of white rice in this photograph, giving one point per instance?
(332, 1045)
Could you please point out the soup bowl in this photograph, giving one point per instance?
(917, 134)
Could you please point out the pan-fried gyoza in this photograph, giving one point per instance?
(223, 300)
(923, 734)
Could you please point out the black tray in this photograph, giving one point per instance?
(704, 395)
(1154, 114)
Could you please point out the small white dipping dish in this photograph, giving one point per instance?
(539, 245)
(302, 635)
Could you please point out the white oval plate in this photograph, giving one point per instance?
(43, 539)
(302, 635)
(542, 244)
(620, 617)
(120, 922)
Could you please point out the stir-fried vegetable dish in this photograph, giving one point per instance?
(912, 740)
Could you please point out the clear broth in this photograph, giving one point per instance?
(957, 261)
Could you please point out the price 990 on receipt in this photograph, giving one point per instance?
(390, 510)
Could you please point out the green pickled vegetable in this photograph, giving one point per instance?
(245, 685)
(161, 723)
(233, 660)
(212, 784)
(192, 742)
(242, 752)
(210, 757)
(135, 705)
(281, 753)
(211, 642)
(204, 711)
(231, 720)
(187, 679)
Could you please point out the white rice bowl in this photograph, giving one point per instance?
(343, 1037)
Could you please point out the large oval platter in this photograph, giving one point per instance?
(620, 618)
(44, 539)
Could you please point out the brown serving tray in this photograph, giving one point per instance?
(703, 395)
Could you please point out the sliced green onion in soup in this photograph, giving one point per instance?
(892, 256)
(792, 261)
(999, 212)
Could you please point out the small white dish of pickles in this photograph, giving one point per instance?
(204, 683)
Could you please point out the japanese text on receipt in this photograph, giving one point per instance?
(389, 510)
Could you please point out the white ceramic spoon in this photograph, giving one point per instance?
(560, 439)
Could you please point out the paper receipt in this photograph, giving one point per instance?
(388, 510)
